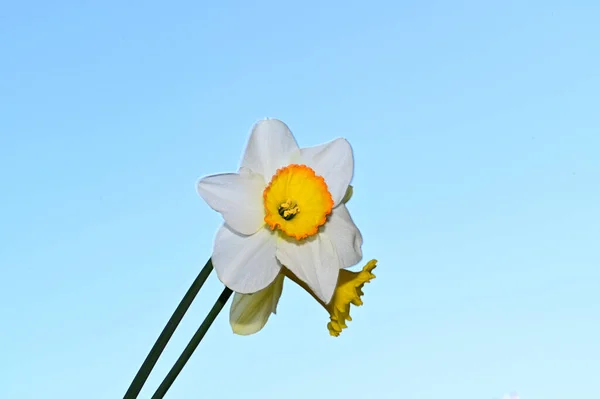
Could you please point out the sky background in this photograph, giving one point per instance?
(476, 136)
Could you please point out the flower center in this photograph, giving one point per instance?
(294, 188)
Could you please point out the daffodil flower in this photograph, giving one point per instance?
(250, 312)
(284, 207)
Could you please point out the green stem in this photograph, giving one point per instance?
(164, 337)
(192, 345)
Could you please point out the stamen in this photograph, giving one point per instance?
(288, 209)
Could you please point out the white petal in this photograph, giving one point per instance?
(249, 312)
(238, 197)
(345, 236)
(313, 261)
(269, 148)
(245, 264)
(335, 162)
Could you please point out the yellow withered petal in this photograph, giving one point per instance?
(347, 291)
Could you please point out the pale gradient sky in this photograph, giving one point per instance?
(475, 129)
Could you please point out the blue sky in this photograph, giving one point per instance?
(475, 129)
